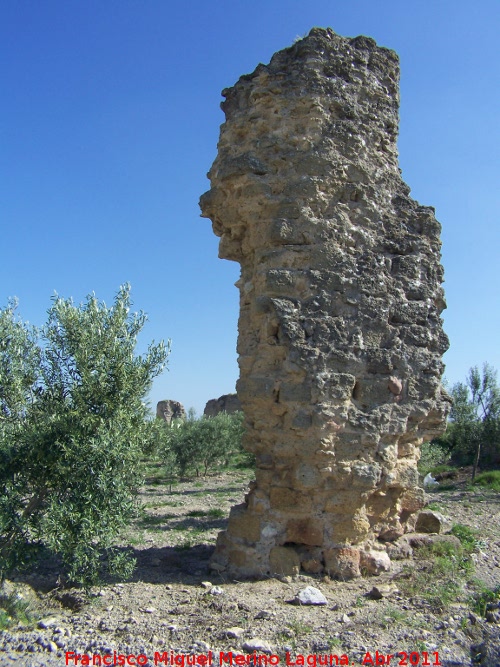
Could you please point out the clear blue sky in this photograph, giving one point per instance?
(109, 121)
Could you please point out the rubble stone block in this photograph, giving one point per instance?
(284, 561)
(243, 524)
(374, 562)
(342, 563)
(432, 522)
(305, 531)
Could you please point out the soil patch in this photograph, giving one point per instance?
(174, 603)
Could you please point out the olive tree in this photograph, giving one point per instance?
(202, 444)
(72, 418)
(473, 433)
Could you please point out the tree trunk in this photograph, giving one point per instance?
(476, 462)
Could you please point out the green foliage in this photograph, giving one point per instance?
(468, 538)
(473, 433)
(299, 628)
(156, 445)
(443, 468)
(441, 581)
(489, 480)
(201, 444)
(435, 507)
(433, 455)
(485, 597)
(14, 610)
(72, 423)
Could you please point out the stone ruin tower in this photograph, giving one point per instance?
(340, 336)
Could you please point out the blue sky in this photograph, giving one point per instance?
(109, 122)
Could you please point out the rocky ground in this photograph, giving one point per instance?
(420, 614)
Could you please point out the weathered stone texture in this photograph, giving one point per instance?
(227, 403)
(340, 336)
(169, 410)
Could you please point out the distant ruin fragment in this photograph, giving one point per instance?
(340, 336)
(228, 403)
(170, 410)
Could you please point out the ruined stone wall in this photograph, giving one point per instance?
(229, 403)
(340, 336)
(169, 410)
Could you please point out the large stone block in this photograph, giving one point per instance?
(288, 500)
(305, 531)
(342, 563)
(374, 562)
(284, 561)
(244, 525)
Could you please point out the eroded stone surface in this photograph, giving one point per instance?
(340, 336)
(227, 403)
(169, 410)
(432, 522)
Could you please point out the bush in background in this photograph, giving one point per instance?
(432, 455)
(489, 480)
(472, 436)
(200, 445)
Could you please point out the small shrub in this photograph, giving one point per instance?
(483, 597)
(447, 568)
(489, 480)
(432, 456)
(14, 610)
(466, 536)
(435, 507)
(396, 614)
(442, 468)
(299, 627)
(202, 444)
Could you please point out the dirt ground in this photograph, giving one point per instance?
(175, 604)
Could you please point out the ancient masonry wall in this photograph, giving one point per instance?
(340, 336)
